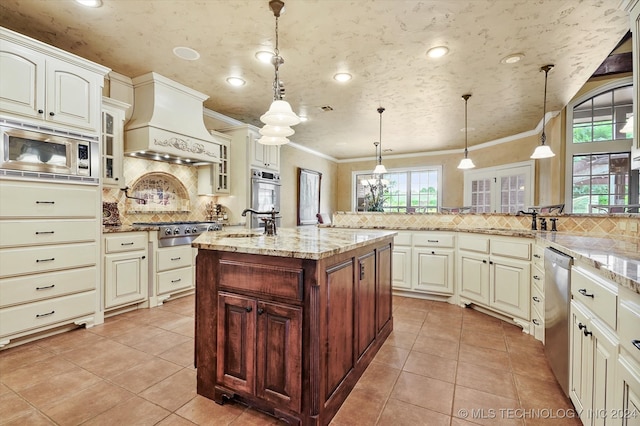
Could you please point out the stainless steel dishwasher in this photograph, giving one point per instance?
(557, 299)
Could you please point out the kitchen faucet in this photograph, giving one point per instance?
(543, 224)
(269, 222)
(533, 214)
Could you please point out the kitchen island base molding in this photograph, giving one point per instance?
(290, 336)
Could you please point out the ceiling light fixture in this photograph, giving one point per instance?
(280, 116)
(542, 150)
(466, 162)
(186, 53)
(264, 56)
(380, 168)
(90, 3)
(236, 81)
(342, 77)
(437, 52)
(512, 59)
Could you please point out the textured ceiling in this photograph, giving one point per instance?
(382, 43)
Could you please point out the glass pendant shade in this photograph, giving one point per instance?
(280, 114)
(276, 131)
(542, 151)
(380, 169)
(273, 140)
(466, 163)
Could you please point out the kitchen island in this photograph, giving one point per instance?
(289, 323)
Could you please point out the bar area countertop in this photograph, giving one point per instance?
(309, 242)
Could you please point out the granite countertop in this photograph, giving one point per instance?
(304, 242)
(127, 228)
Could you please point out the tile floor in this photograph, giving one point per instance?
(440, 362)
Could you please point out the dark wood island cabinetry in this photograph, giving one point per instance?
(289, 323)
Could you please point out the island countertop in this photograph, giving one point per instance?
(307, 242)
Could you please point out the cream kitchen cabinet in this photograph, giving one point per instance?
(49, 252)
(173, 272)
(263, 156)
(433, 260)
(627, 384)
(126, 265)
(537, 293)
(215, 179)
(593, 346)
(401, 258)
(494, 272)
(112, 138)
(41, 84)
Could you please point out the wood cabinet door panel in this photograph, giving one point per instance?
(279, 354)
(383, 290)
(236, 342)
(366, 302)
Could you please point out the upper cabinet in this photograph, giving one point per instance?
(42, 84)
(112, 138)
(263, 156)
(216, 178)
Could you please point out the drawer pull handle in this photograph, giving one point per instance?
(176, 281)
(536, 299)
(175, 258)
(581, 326)
(636, 343)
(433, 241)
(536, 256)
(45, 315)
(535, 321)
(44, 232)
(536, 277)
(46, 287)
(586, 332)
(45, 202)
(45, 260)
(126, 244)
(583, 291)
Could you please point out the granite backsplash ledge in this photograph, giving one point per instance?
(625, 225)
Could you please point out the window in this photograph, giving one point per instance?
(401, 191)
(503, 189)
(598, 155)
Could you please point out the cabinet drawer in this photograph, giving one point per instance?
(281, 281)
(30, 288)
(402, 239)
(175, 280)
(473, 243)
(433, 240)
(629, 326)
(34, 200)
(174, 257)
(516, 249)
(537, 324)
(128, 241)
(31, 260)
(538, 255)
(597, 294)
(47, 312)
(537, 277)
(38, 232)
(537, 299)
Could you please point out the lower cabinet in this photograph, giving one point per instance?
(433, 258)
(126, 269)
(259, 347)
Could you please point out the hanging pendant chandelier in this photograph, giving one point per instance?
(280, 116)
(466, 162)
(380, 168)
(542, 150)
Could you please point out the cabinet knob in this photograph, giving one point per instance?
(52, 113)
(484, 261)
(143, 257)
(433, 252)
(536, 299)
(248, 309)
(535, 321)
(586, 332)
(40, 111)
(535, 277)
(115, 179)
(260, 311)
(581, 326)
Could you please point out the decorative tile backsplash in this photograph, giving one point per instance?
(623, 224)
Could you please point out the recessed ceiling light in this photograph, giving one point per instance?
(342, 77)
(512, 59)
(186, 53)
(90, 3)
(264, 56)
(235, 81)
(437, 52)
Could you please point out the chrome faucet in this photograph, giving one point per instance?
(269, 222)
(534, 226)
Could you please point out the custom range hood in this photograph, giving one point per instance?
(167, 123)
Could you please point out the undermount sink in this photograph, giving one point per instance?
(242, 235)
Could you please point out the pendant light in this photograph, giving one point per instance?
(280, 116)
(542, 150)
(380, 168)
(466, 162)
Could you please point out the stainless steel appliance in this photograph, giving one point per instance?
(29, 152)
(172, 234)
(265, 195)
(557, 299)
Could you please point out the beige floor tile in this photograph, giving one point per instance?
(185, 328)
(144, 375)
(161, 342)
(32, 418)
(174, 391)
(379, 378)
(30, 374)
(540, 394)
(401, 339)
(444, 318)
(491, 380)
(419, 304)
(13, 407)
(484, 408)
(409, 314)
(431, 366)
(533, 364)
(425, 392)
(398, 413)
(135, 336)
(48, 391)
(483, 356)
(74, 339)
(391, 356)
(181, 354)
(115, 360)
(203, 411)
(483, 340)
(441, 331)
(175, 420)
(363, 407)
(435, 346)
(114, 326)
(19, 356)
(135, 411)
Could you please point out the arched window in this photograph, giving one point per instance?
(598, 154)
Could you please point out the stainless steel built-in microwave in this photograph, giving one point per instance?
(33, 151)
